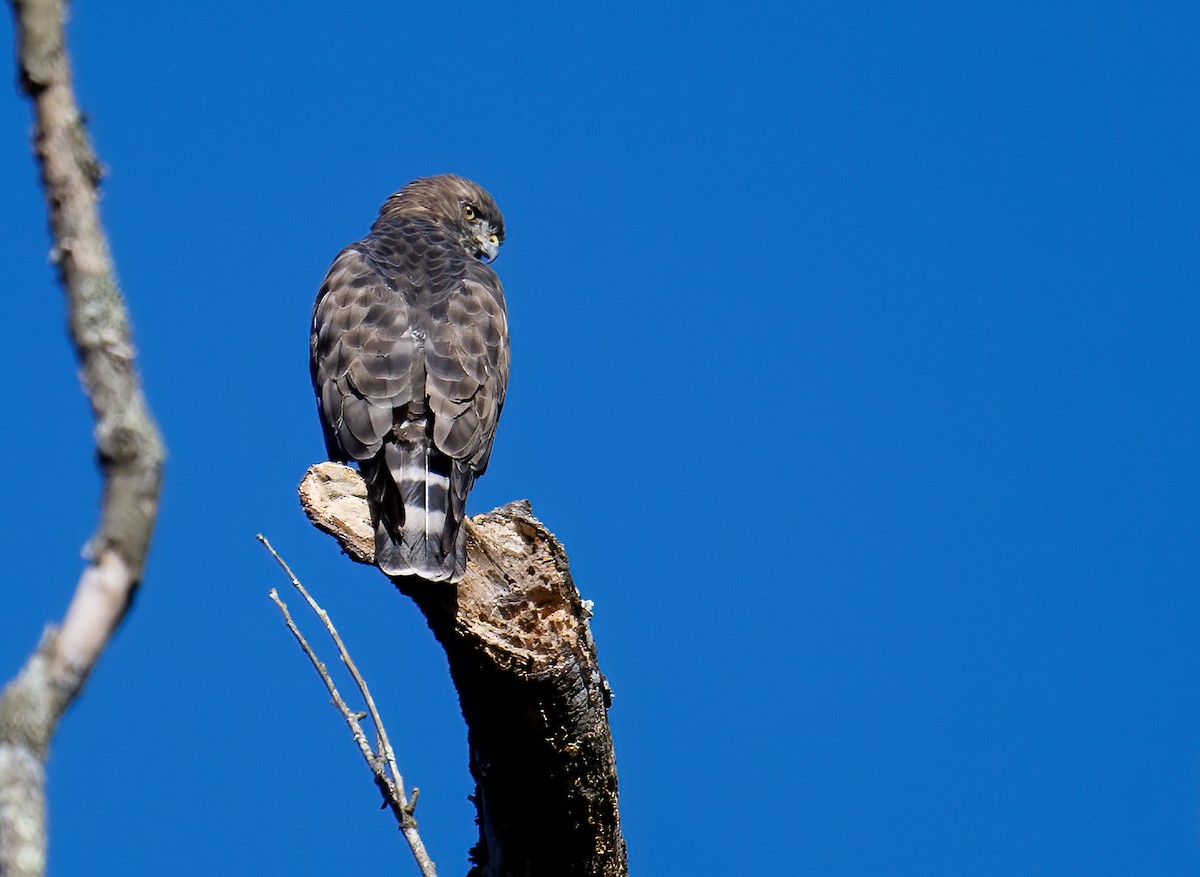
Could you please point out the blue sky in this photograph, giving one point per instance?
(854, 361)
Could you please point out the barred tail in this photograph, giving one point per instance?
(418, 522)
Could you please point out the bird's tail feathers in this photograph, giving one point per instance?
(418, 525)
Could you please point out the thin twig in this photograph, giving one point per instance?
(349, 715)
(391, 787)
(384, 743)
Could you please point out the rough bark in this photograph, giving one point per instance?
(127, 442)
(523, 660)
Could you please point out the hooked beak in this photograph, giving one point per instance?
(489, 246)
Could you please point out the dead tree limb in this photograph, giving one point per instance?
(128, 445)
(521, 655)
(381, 761)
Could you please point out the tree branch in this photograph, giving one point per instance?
(522, 657)
(380, 762)
(128, 445)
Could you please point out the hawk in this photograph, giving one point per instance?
(409, 359)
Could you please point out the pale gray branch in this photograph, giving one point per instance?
(128, 445)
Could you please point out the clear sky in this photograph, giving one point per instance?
(855, 355)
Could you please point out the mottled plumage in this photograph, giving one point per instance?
(409, 358)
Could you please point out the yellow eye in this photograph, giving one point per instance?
(468, 212)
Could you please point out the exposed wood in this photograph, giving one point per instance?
(516, 635)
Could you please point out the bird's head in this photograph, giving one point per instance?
(462, 207)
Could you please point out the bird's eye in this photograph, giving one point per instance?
(468, 212)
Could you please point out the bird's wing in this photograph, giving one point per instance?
(466, 360)
(365, 363)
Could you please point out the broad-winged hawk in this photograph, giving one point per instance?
(409, 359)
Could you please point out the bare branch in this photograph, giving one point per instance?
(127, 441)
(379, 762)
(521, 654)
